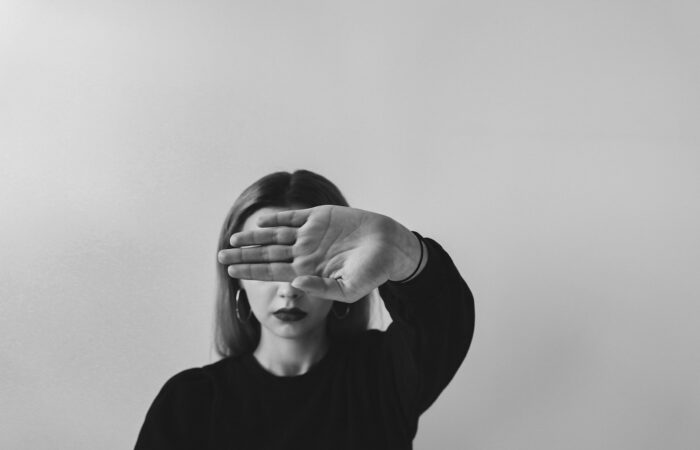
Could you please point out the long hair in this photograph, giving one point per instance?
(279, 189)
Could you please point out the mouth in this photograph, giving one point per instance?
(289, 314)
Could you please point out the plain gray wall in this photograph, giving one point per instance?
(550, 147)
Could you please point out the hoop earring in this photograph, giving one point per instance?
(341, 317)
(238, 314)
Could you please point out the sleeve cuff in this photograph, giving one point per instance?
(425, 282)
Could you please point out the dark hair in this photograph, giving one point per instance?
(280, 189)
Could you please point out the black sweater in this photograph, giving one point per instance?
(367, 393)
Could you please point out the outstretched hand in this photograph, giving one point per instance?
(332, 252)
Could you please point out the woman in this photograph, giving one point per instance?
(300, 369)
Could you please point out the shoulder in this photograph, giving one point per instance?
(188, 392)
(199, 377)
(186, 386)
(196, 381)
(188, 376)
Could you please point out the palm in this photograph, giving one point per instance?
(334, 252)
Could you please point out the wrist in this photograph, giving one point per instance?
(410, 257)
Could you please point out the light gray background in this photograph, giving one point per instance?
(550, 146)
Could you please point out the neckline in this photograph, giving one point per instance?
(260, 372)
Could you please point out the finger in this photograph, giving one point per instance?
(264, 236)
(328, 288)
(263, 272)
(294, 218)
(259, 254)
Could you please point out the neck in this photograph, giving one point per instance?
(290, 357)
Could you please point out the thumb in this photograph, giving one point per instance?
(328, 288)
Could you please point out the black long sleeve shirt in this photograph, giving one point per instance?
(364, 394)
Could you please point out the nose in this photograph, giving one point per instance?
(286, 290)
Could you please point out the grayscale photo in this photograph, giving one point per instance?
(378, 225)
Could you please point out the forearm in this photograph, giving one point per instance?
(433, 320)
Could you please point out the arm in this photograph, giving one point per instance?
(432, 329)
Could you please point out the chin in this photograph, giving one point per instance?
(291, 330)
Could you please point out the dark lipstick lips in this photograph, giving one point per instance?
(290, 314)
(293, 311)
